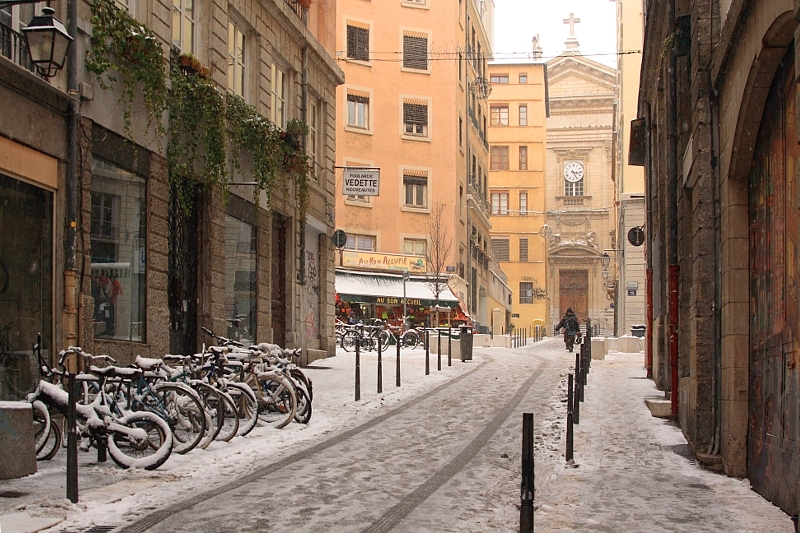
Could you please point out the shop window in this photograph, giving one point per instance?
(240, 280)
(26, 281)
(118, 252)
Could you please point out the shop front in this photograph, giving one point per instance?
(365, 296)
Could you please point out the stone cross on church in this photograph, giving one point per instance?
(572, 42)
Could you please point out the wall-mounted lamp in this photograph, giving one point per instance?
(48, 42)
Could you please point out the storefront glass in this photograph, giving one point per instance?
(118, 246)
(26, 283)
(240, 280)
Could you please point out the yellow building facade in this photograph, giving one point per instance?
(517, 133)
(413, 105)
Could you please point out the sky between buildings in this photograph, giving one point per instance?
(517, 21)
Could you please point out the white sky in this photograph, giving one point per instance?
(517, 21)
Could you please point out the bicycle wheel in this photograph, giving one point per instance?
(41, 425)
(246, 404)
(215, 411)
(349, 341)
(385, 340)
(410, 339)
(51, 444)
(182, 409)
(141, 440)
(16, 378)
(302, 414)
(298, 375)
(279, 402)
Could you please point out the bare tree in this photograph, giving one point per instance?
(437, 253)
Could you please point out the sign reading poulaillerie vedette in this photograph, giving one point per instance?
(361, 181)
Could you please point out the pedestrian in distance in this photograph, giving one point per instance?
(571, 327)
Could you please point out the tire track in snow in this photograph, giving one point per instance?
(147, 522)
(396, 514)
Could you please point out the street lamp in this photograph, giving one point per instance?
(605, 260)
(48, 42)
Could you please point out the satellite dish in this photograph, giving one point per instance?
(339, 238)
(636, 236)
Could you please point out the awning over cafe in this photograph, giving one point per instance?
(387, 289)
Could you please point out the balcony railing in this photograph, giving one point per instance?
(299, 10)
(14, 47)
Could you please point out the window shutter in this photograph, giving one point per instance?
(500, 249)
(415, 52)
(415, 114)
(358, 99)
(358, 43)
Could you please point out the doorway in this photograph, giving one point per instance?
(574, 293)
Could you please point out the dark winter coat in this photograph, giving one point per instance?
(570, 324)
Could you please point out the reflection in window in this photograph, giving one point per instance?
(118, 239)
(240, 280)
(26, 281)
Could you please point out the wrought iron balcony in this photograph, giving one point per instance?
(14, 47)
(299, 10)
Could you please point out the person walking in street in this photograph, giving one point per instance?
(571, 327)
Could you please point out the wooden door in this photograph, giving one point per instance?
(278, 289)
(574, 293)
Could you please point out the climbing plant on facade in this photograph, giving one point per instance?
(123, 47)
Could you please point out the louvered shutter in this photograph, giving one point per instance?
(415, 114)
(357, 43)
(415, 52)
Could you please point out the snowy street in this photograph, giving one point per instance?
(441, 453)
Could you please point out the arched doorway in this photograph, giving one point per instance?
(773, 455)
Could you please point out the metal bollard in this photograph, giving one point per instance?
(72, 441)
(380, 366)
(427, 353)
(576, 406)
(449, 346)
(570, 421)
(397, 377)
(439, 349)
(358, 369)
(528, 476)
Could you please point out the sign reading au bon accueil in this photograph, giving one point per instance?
(361, 181)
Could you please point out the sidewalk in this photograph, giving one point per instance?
(636, 473)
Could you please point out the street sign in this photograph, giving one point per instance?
(361, 181)
(636, 236)
(339, 238)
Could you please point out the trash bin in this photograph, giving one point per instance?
(638, 331)
(466, 343)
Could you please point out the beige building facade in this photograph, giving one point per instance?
(414, 106)
(517, 192)
(581, 216)
(629, 179)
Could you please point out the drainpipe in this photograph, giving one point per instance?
(649, 251)
(467, 51)
(672, 213)
(71, 281)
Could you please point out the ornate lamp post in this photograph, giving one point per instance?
(48, 42)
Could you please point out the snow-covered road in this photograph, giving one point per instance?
(439, 454)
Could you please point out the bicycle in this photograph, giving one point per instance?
(366, 341)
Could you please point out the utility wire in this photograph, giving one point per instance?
(461, 56)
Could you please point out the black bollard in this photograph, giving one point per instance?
(528, 479)
(380, 366)
(569, 453)
(439, 349)
(397, 377)
(72, 441)
(427, 353)
(358, 369)
(449, 346)
(576, 406)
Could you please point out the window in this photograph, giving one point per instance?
(183, 25)
(523, 158)
(415, 118)
(236, 68)
(573, 188)
(523, 250)
(460, 131)
(523, 203)
(499, 203)
(499, 158)
(416, 187)
(499, 114)
(523, 115)
(278, 97)
(357, 43)
(118, 240)
(415, 52)
(414, 246)
(362, 243)
(459, 66)
(523, 78)
(240, 280)
(499, 78)
(358, 111)
(314, 122)
(500, 249)
(525, 292)
(415, 2)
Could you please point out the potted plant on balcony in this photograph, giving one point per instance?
(305, 4)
